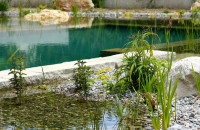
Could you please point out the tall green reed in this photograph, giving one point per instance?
(196, 79)
(164, 96)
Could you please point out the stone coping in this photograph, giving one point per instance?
(122, 14)
(64, 70)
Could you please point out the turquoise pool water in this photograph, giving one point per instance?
(52, 44)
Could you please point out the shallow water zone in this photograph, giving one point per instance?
(56, 111)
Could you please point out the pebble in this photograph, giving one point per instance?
(187, 108)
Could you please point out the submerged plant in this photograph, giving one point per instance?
(82, 78)
(17, 67)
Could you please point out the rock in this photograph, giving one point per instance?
(68, 5)
(195, 4)
(47, 17)
(186, 85)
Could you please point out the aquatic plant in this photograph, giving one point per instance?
(23, 12)
(4, 5)
(81, 75)
(98, 3)
(119, 108)
(16, 69)
(195, 12)
(42, 6)
(181, 12)
(196, 79)
(75, 10)
(163, 97)
(137, 65)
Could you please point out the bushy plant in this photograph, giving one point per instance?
(195, 12)
(137, 66)
(82, 78)
(166, 11)
(16, 69)
(75, 10)
(4, 5)
(98, 3)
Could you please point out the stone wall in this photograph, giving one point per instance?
(117, 4)
(30, 3)
(136, 4)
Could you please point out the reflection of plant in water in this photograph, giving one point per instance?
(4, 20)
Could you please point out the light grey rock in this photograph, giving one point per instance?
(186, 85)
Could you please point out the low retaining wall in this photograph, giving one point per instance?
(117, 4)
(31, 3)
(64, 71)
(136, 4)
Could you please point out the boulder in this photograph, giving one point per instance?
(186, 85)
(195, 4)
(68, 5)
(47, 17)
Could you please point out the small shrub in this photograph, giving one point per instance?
(75, 10)
(137, 66)
(17, 67)
(42, 6)
(98, 3)
(82, 78)
(181, 12)
(166, 11)
(4, 5)
(195, 11)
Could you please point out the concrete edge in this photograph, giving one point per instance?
(64, 70)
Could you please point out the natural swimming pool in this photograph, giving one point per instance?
(22, 120)
(85, 38)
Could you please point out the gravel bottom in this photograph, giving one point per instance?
(187, 108)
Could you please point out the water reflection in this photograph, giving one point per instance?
(82, 38)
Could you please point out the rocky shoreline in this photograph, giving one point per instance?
(187, 108)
